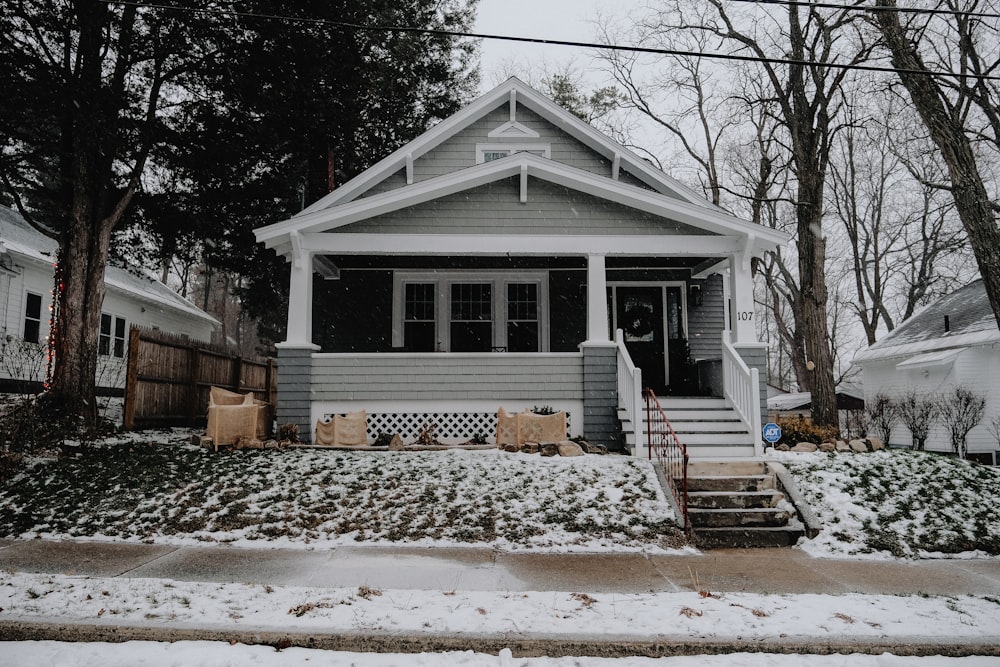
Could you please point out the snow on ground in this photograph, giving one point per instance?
(163, 490)
(898, 503)
(160, 602)
(215, 654)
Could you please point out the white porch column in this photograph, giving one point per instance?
(598, 330)
(742, 315)
(299, 332)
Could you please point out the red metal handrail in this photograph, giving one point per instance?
(670, 453)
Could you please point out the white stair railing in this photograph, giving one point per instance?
(742, 388)
(630, 394)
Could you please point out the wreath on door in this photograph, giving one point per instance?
(638, 324)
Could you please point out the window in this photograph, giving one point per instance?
(32, 318)
(111, 341)
(419, 321)
(464, 311)
(471, 317)
(490, 152)
(522, 317)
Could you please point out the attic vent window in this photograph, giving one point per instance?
(488, 153)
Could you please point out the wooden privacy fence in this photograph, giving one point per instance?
(169, 377)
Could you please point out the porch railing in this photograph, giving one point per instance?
(742, 388)
(630, 390)
(668, 450)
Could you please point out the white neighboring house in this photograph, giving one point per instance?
(953, 341)
(26, 275)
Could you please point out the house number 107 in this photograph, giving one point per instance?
(744, 315)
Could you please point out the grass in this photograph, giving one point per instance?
(901, 502)
(180, 492)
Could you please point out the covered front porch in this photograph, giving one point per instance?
(431, 330)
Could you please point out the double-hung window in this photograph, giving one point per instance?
(111, 341)
(457, 311)
(33, 318)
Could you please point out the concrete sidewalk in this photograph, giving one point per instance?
(480, 569)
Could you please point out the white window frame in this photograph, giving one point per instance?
(113, 338)
(38, 321)
(545, 150)
(444, 279)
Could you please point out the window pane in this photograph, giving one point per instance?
(471, 317)
(522, 317)
(419, 302)
(674, 330)
(119, 337)
(489, 156)
(419, 337)
(472, 302)
(104, 340)
(32, 318)
(471, 336)
(522, 336)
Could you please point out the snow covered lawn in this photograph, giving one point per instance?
(174, 492)
(899, 503)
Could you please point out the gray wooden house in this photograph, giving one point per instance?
(514, 256)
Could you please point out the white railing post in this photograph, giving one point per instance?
(630, 396)
(741, 386)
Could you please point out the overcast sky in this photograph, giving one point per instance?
(571, 20)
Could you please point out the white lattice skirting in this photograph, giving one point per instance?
(452, 426)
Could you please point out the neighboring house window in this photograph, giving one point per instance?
(477, 312)
(33, 318)
(111, 341)
(488, 153)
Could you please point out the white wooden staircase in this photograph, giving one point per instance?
(709, 427)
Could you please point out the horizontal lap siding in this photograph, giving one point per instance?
(496, 208)
(398, 376)
(707, 321)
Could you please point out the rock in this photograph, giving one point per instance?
(842, 446)
(858, 445)
(530, 448)
(396, 444)
(549, 449)
(569, 448)
(805, 447)
(875, 443)
(510, 447)
(827, 447)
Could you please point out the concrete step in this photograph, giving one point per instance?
(728, 538)
(743, 517)
(697, 452)
(732, 483)
(729, 500)
(723, 467)
(695, 438)
(692, 402)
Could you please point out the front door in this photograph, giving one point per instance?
(639, 314)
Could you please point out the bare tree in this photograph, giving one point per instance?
(961, 410)
(941, 61)
(882, 414)
(917, 412)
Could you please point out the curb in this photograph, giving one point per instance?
(521, 645)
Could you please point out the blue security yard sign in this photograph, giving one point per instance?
(772, 432)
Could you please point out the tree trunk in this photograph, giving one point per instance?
(971, 198)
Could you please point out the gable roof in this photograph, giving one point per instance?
(18, 237)
(666, 196)
(970, 322)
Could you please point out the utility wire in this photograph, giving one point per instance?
(872, 8)
(551, 42)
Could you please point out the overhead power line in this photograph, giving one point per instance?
(872, 8)
(550, 42)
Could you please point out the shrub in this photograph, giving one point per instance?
(798, 429)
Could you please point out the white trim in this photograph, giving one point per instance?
(939, 358)
(276, 236)
(513, 130)
(499, 245)
(511, 91)
(444, 279)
